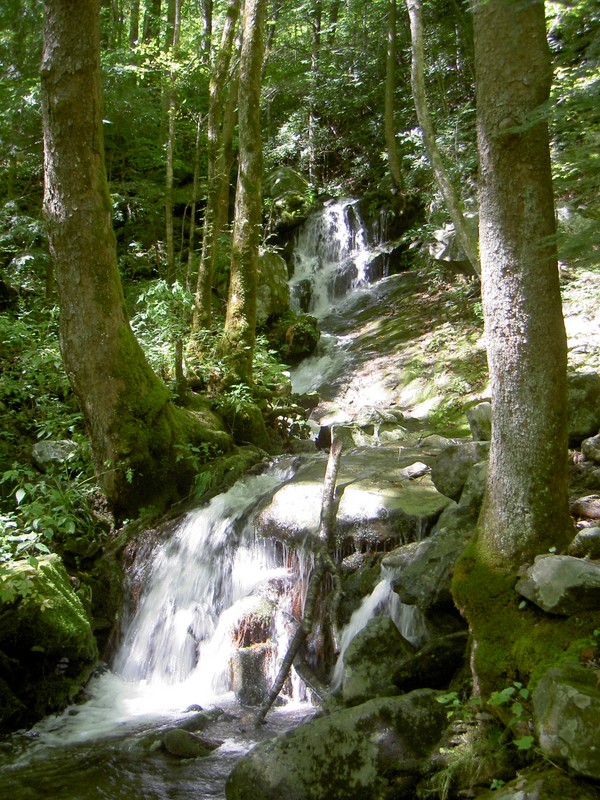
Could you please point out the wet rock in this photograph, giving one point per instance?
(250, 670)
(184, 744)
(433, 665)
(583, 405)
(355, 753)
(543, 784)
(371, 659)
(566, 710)
(451, 468)
(561, 584)
(47, 653)
(586, 544)
(474, 489)
(421, 572)
(479, 418)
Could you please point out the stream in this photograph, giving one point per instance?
(174, 657)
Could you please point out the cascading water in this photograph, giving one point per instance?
(330, 257)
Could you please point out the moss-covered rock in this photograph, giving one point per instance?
(47, 641)
(372, 751)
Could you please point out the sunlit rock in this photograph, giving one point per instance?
(561, 584)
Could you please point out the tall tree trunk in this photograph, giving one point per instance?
(134, 22)
(466, 240)
(218, 130)
(152, 20)
(171, 109)
(237, 344)
(525, 511)
(334, 15)
(191, 268)
(390, 91)
(206, 7)
(134, 429)
(316, 17)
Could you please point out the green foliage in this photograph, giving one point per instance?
(161, 321)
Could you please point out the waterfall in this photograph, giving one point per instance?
(331, 257)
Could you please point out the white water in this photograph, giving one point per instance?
(330, 255)
(177, 646)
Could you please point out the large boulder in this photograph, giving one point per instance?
(371, 660)
(566, 710)
(47, 648)
(453, 465)
(364, 752)
(561, 584)
(273, 292)
(433, 665)
(421, 572)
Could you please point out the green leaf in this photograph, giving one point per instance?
(524, 743)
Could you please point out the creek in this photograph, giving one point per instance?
(176, 647)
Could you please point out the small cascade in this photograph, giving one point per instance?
(383, 601)
(331, 257)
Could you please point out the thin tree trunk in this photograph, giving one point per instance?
(237, 342)
(217, 132)
(191, 269)
(207, 26)
(323, 562)
(171, 107)
(316, 15)
(466, 240)
(334, 15)
(152, 20)
(134, 22)
(390, 91)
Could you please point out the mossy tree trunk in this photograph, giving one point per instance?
(525, 511)
(134, 429)
(220, 128)
(237, 343)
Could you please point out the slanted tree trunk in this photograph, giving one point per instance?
(237, 343)
(390, 91)
(525, 511)
(466, 240)
(221, 112)
(134, 429)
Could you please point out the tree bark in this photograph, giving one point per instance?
(466, 241)
(525, 510)
(237, 343)
(390, 91)
(134, 22)
(171, 108)
(221, 113)
(134, 429)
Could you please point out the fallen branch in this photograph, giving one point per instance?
(323, 563)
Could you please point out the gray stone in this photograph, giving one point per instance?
(566, 710)
(586, 544)
(371, 660)
(273, 293)
(591, 448)
(583, 405)
(542, 784)
(561, 584)
(479, 418)
(184, 744)
(52, 451)
(451, 468)
(354, 753)
(421, 572)
(474, 488)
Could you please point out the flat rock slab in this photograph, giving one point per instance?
(562, 584)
